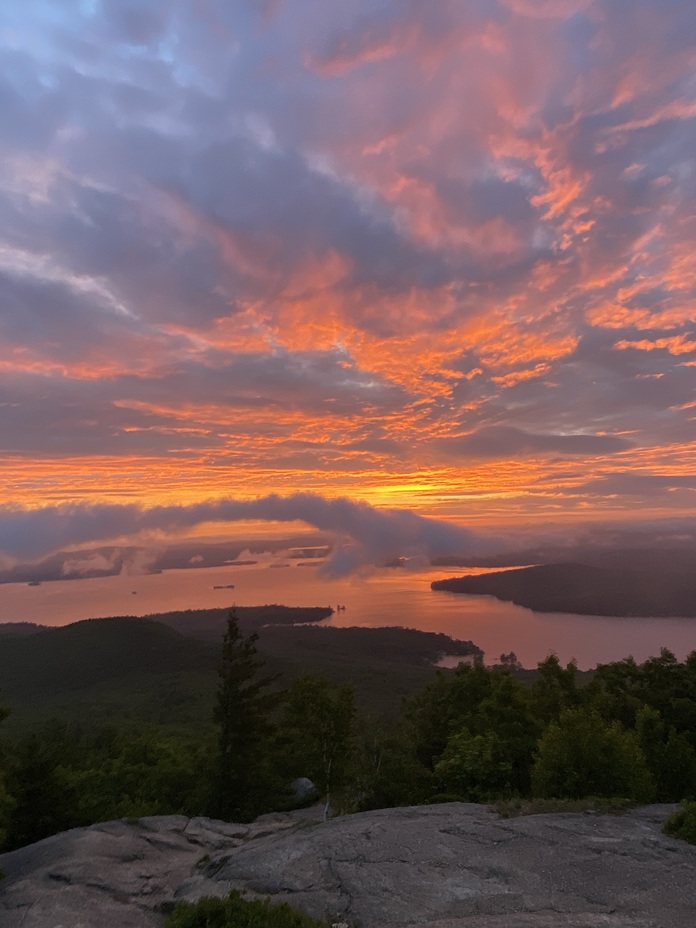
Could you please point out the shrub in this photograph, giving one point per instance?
(582, 755)
(682, 823)
(235, 911)
(474, 769)
(512, 808)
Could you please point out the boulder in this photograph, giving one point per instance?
(303, 787)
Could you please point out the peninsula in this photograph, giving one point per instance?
(586, 590)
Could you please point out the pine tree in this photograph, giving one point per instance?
(243, 713)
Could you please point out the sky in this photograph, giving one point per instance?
(271, 258)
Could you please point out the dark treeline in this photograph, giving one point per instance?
(475, 734)
(660, 588)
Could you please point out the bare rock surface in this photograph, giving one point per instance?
(444, 866)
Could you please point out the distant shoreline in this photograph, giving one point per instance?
(579, 589)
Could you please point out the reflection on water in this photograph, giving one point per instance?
(385, 597)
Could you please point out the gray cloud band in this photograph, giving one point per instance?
(367, 534)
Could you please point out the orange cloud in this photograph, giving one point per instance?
(315, 250)
(676, 344)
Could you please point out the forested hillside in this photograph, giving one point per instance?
(162, 669)
(151, 722)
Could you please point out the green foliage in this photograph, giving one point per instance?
(6, 806)
(242, 769)
(40, 787)
(582, 755)
(507, 714)
(670, 757)
(127, 670)
(237, 912)
(142, 775)
(476, 733)
(61, 777)
(6, 800)
(447, 705)
(489, 714)
(319, 733)
(88, 653)
(682, 823)
(103, 670)
(395, 776)
(513, 808)
(474, 768)
(555, 689)
(620, 690)
(383, 664)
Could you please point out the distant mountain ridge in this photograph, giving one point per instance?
(587, 590)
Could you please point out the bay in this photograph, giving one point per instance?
(382, 597)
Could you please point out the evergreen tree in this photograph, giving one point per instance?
(242, 776)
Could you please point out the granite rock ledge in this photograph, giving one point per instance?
(444, 866)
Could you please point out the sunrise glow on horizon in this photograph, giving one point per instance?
(430, 256)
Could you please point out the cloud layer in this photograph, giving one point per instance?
(438, 254)
(365, 535)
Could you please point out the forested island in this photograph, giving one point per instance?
(585, 589)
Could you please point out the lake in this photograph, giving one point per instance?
(383, 597)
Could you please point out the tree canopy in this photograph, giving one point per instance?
(243, 713)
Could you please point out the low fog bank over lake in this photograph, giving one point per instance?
(388, 596)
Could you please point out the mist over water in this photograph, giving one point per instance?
(384, 597)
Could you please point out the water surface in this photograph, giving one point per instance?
(385, 597)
